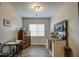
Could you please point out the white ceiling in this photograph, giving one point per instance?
(25, 9)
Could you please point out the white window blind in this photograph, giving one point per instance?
(37, 29)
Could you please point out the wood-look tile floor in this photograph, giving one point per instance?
(35, 51)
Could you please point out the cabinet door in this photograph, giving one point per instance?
(59, 48)
(53, 49)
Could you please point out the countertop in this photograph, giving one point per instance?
(13, 42)
(54, 39)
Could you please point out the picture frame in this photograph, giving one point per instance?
(6, 23)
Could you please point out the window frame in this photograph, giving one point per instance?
(37, 26)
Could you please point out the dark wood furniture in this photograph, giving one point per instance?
(68, 52)
(24, 35)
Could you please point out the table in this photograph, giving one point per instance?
(16, 44)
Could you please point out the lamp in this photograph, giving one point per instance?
(36, 8)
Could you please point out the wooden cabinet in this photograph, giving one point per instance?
(58, 48)
(24, 35)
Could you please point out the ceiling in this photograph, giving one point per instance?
(48, 9)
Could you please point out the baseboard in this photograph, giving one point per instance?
(37, 43)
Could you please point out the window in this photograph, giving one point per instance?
(37, 29)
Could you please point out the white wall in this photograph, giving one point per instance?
(8, 12)
(69, 11)
(38, 40)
